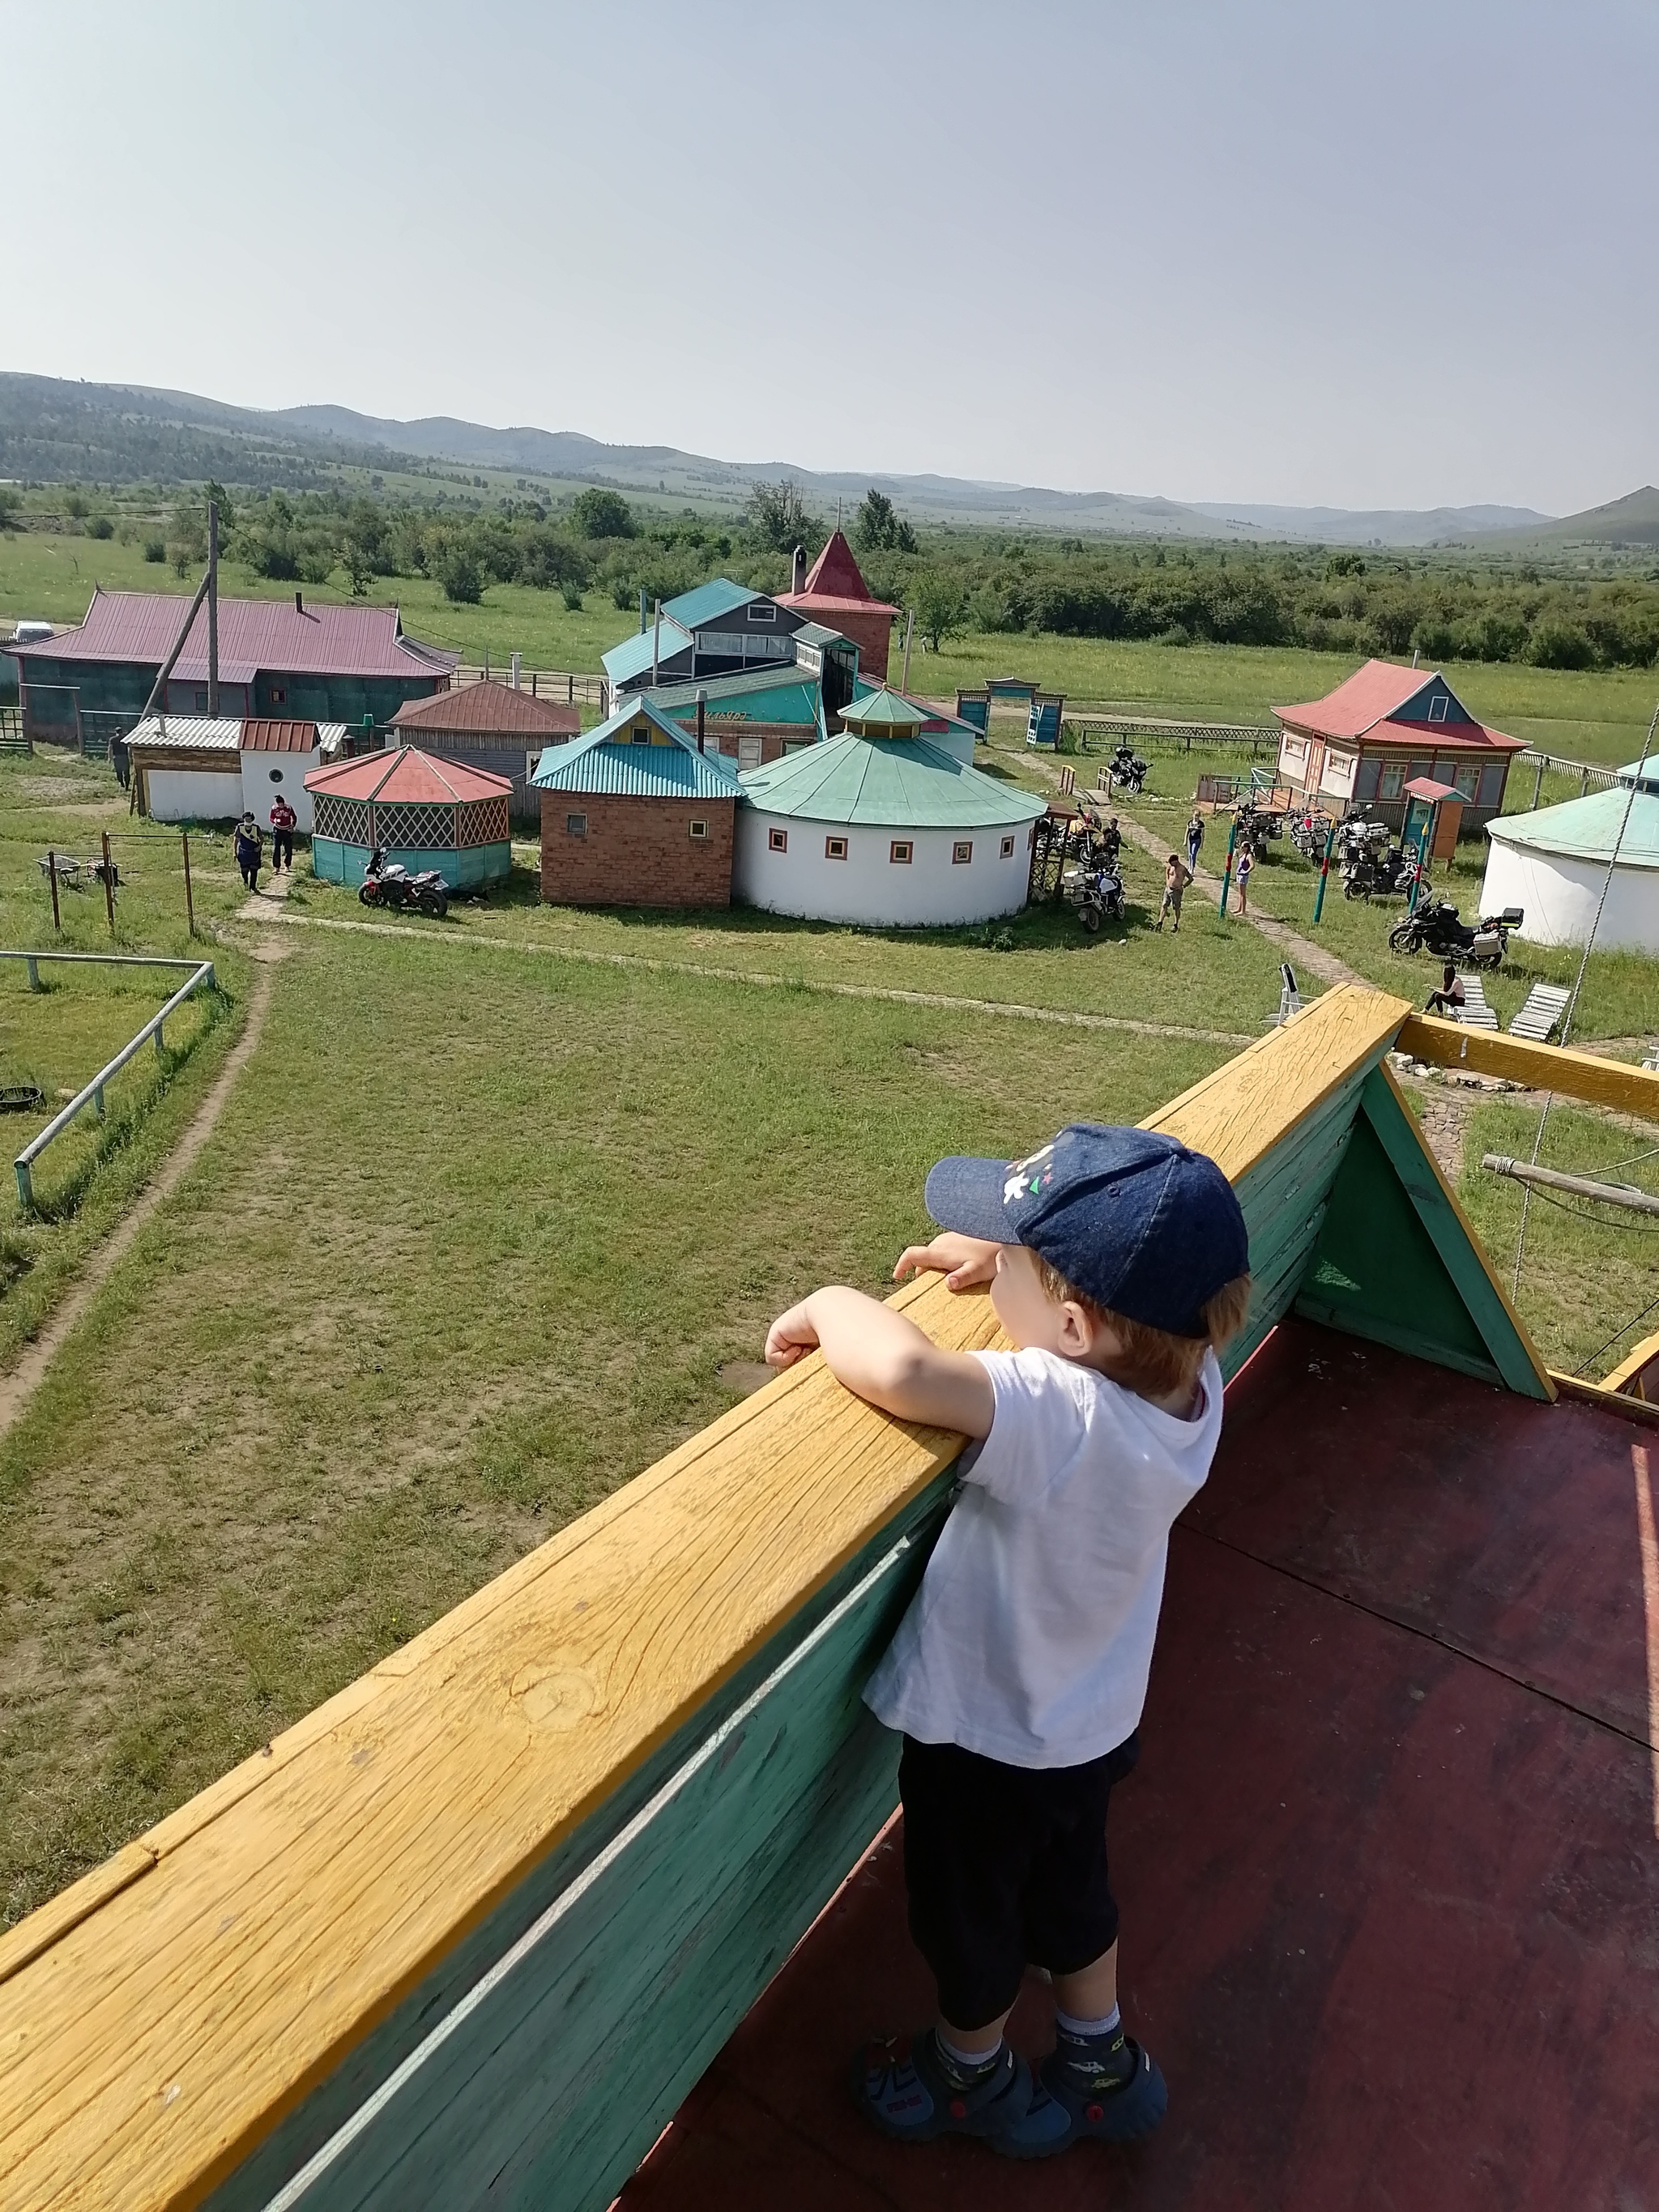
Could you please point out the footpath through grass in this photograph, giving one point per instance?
(469, 1246)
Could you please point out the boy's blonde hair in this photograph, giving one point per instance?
(1151, 1361)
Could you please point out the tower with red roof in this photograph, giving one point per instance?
(835, 594)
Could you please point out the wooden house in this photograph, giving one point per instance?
(491, 726)
(1362, 743)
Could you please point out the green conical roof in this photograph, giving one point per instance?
(903, 783)
(885, 711)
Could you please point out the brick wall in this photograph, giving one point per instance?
(872, 635)
(637, 852)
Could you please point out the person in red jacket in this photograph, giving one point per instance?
(282, 820)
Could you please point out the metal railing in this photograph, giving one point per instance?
(93, 1095)
(1586, 774)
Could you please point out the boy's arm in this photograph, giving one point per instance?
(880, 1356)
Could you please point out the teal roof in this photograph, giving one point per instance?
(779, 694)
(602, 766)
(1644, 773)
(633, 656)
(1586, 829)
(707, 602)
(902, 782)
(866, 685)
(880, 708)
(814, 633)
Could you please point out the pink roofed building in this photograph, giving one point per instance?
(835, 594)
(1361, 744)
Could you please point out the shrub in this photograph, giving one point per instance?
(101, 526)
(1557, 644)
(597, 513)
(155, 549)
(461, 574)
(571, 593)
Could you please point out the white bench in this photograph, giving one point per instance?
(1546, 1004)
(1475, 1010)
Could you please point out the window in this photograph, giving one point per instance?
(834, 848)
(275, 775)
(1393, 775)
(1007, 849)
(899, 852)
(962, 853)
(1467, 782)
(575, 825)
(761, 611)
(1437, 708)
(278, 696)
(699, 829)
(640, 733)
(777, 840)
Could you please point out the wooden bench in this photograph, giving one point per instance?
(1475, 1010)
(1546, 1004)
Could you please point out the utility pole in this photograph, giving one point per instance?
(213, 608)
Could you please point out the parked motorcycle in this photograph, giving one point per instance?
(1128, 770)
(1097, 895)
(388, 884)
(1308, 832)
(1437, 928)
(1105, 840)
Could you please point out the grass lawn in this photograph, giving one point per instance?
(468, 1246)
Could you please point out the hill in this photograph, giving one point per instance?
(1624, 523)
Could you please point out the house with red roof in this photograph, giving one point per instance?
(835, 594)
(1362, 743)
(312, 662)
(491, 726)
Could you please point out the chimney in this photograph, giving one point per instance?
(298, 602)
(702, 704)
(798, 570)
(516, 665)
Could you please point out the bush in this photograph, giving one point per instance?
(571, 593)
(101, 526)
(461, 574)
(155, 549)
(1557, 644)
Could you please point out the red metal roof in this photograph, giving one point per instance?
(254, 634)
(260, 736)
(1443, 737)
(835, 584)
(1425, 786)
(409, 774)
(1371, 694)
(483, 709)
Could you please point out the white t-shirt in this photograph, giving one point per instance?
(1031, 1638)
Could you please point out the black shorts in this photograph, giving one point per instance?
(1005, 1867)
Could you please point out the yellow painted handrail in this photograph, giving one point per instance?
(1540, 1066)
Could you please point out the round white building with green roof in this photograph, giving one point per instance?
(1554, 864)
(881, 826)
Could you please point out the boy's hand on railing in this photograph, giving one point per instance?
(790, 1337)
(963, 1261)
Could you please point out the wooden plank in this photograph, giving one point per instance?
(1540, 1066)
(42, 1929)
(1611, 1401)
(1237, 1113)
(1630, 1366)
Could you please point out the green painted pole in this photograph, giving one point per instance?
(1324, 871)
(1227, 874)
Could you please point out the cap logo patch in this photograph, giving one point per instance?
(1030, 1178)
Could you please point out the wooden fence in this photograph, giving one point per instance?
(469, 1932)
(559, 685)
(1160, 736)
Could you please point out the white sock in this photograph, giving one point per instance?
(1089, 2028)
(971, 2061)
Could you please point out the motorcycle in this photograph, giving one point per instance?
(1308, 832)
(1097, 895)
(1254, 828)
(1437, 928)
(388, 884)
(1373, 865)
(1126, 768)
(1105, 842)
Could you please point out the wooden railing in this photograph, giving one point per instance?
(563, 686)
(470, 1931)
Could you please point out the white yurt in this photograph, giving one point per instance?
(1555, 865)
(882, 826)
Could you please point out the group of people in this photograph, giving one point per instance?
(250, 842)
(1178, 873)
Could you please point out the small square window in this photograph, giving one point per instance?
(1437, 708)
(761, 611)
(777, 840)
(899, 852)
(640, 733)
(962, 853)
(1007, 849)
(834, 848)
(699, 829)
(278, 696)
(575, 825)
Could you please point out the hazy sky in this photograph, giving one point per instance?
(1368, 254)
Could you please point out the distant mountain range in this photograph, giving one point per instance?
(56, 431)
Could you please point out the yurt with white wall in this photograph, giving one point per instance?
(884, 827)
(1554, 864)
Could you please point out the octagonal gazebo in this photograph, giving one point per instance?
(424, 812)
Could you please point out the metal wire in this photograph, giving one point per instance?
(1601, 1350)
(1578, 985)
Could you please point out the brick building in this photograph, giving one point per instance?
(635, 815)
(835, 594)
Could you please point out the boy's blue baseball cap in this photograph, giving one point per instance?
(1133, 1219)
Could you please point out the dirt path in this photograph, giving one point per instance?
(19, 1386)
(757, 978)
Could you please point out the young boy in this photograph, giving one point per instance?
(1117, 1260)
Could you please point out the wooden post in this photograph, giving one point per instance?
(1227, 874)
(52, 877)
(109, 885)
(213, 608)
(190, 903)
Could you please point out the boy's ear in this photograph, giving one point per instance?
(1080, 1335)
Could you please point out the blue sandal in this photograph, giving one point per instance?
(1061, 2113)
(901, 2087)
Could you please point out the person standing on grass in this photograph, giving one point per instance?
(1117, 1260)
(1194, 840)
(1242, 868)
(1176, 881)
(1450, 996)
(249, 850)
(282, 820)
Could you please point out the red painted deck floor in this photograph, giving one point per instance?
(1389, 1866)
